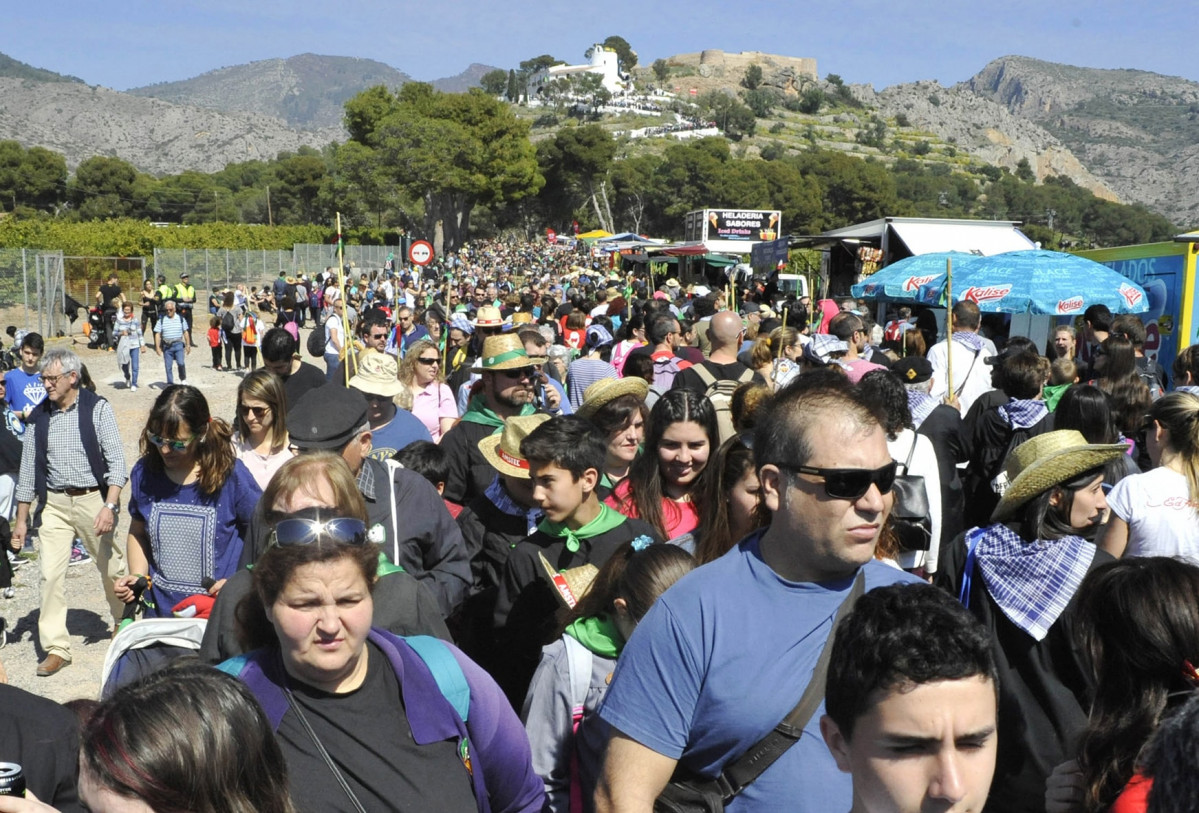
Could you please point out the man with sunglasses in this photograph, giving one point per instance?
(726, 653)
(407, 330)
(73, 463)
(507, 387)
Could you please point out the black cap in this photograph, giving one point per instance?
(1003, 355)
(913, 369)
(184, 275)
(327, 417)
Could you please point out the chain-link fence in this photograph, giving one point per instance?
(31, 290)
(84, 276)
(215, 269)
(312, 258)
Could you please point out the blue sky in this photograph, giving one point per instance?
(128, 43)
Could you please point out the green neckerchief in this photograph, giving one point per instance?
(477, 411)
(606, 520)
(599, 634)
(606, 482)
(386, 567)
(1052, 394)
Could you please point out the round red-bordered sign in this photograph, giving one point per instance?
(421, 252)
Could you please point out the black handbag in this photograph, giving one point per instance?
(911, 519)
(689, 793)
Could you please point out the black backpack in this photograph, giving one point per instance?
(317, 340)
(228, 322)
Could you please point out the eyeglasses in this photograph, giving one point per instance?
(850, 484)
(167, 443)
(51, 380)
(523, 372)
(259, 412)
(430, 362)
(304, 531)
(378, 336)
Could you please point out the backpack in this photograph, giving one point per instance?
(228, 322)
(665, 369)
(316, 339)
(1149, 376)
(720, 393)
(578, 663)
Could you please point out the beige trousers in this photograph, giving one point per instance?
(63, 519)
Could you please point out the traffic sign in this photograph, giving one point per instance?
(421, 252)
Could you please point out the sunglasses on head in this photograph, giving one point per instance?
(850, 484)
(168, 443)
(310, 530)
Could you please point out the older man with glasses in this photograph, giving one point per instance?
(723, 657)
(73, 463)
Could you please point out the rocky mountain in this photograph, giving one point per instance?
(1136, 131)
(15, 69)
(156, 136)
(464, 81)
(306, 91)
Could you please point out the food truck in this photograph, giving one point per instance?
(1167, 273)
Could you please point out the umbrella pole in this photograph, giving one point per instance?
(949, 325)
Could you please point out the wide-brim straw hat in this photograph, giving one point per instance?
(502, 450)
(1040, 463)
(505, 352)
(378, 374)
(488, 316)
(569, 585)
(609, 389)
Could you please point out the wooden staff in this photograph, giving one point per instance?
(351, 358)
(782, 334)
(949, 325)
(445, 329)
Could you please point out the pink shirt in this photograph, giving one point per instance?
(433, 403)
(262, 467)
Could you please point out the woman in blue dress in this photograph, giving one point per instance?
(189, 506)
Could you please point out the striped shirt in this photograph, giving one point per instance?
(66, 459)
(170, 328)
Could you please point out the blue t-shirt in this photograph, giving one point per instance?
(23, 390)
(192, 536)
(720, 659)
(397, 433)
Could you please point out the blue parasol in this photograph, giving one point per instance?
(901, 280)
(1037, 281)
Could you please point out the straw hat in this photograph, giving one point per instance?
(503, 450)
(609, 389)
(378, 374)
(570, 585)
(1047, 460)
(522, 318)
(488, 316)
(504, 352)
(672, 283)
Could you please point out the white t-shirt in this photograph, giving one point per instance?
(334, 327)
(1162, 519)
(971, 377)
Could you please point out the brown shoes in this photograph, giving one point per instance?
(52, 665)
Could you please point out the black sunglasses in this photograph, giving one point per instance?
(259, 412)
(429, 362)
(304, 531)
(522, 372)
(850, 484)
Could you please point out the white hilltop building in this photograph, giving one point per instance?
(604, 62)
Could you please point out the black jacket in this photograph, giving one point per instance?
(43, 738)
(469, 472)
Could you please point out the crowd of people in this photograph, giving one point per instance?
(541, 535)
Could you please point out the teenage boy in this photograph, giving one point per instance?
(23, 386)
(565, 456)
(911, 702)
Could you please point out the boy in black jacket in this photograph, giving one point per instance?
(565, 456)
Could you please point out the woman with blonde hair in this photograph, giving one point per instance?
(1156, 513)
(260, 438)
(776, 357)
(431, 399)
(190, 504)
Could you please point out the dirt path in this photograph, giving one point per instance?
(86, 620)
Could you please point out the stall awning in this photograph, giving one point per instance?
(925, 238)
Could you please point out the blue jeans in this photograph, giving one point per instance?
(130, 370)
(331, 364)
(175, 352)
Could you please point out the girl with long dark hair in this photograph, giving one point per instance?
(190, 503)
(663, 483)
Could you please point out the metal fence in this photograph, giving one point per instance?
(83, 277)
(215, 269)
(31, 290)
(311, 258)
